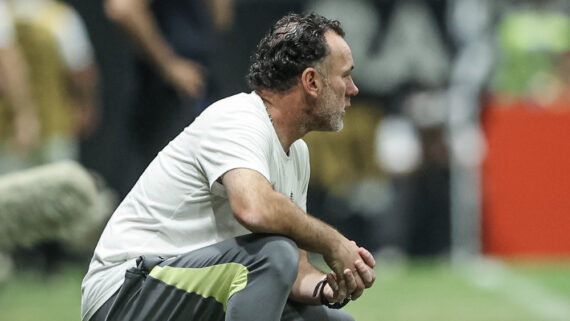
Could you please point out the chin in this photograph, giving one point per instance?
(338, 126)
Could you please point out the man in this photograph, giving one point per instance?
(240, 167)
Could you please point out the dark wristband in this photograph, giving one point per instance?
(320, 290)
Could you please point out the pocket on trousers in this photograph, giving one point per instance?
(127, 294)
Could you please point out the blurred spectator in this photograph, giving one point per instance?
(62, 81)
(61, 91)
(533, 38)
(175, 41)
(18, 114)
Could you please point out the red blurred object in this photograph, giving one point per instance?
(526, 181)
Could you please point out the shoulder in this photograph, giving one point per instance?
(234, 105)
(240, 110)
(235, 122)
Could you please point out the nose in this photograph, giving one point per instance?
(351, 89)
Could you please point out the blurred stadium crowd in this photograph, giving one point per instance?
(402, 178)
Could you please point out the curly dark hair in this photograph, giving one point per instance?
(293, 43)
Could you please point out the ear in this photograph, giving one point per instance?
(311, 81)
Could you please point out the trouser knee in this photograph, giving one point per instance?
(281, 255)
(345, 316)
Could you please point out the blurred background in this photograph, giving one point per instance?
(453, 166)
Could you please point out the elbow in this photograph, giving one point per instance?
(252, 220)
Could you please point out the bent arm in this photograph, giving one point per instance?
(84, 92)
(136, 18)
(263, 210)
(258, 207)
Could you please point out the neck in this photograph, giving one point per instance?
(284, 110)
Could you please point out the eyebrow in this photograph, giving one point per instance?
(347, 72)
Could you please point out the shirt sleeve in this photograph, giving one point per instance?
(73, 41)
(238, 139)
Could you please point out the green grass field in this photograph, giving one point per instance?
(426, 291)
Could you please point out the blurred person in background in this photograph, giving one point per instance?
(62, 83)
(174, 42)
(533, 39)
(18, 113)
(43, 119)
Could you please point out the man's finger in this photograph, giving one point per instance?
(332, 282)
(356, 294)
(367, 257)
(366, 273)
(351, 284)
(342, 291)
(357, 285)
(360, 286)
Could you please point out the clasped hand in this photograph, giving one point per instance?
(354, 279)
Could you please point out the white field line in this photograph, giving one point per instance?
(492, 275)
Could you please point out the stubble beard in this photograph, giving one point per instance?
(327, 116)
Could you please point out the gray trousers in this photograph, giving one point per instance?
(244, 278)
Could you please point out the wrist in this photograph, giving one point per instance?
(319, 291)
(335, 244)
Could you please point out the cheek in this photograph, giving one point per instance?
(345, 87)
(344, 92)
(340, 91)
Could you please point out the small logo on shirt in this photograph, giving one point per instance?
(291, 196)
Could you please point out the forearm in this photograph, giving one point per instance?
(222, 13)
(84, 87)
(277, 214)
(135, 18)
(307, 279)
(16, 82)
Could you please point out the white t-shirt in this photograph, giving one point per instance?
(178, 206)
